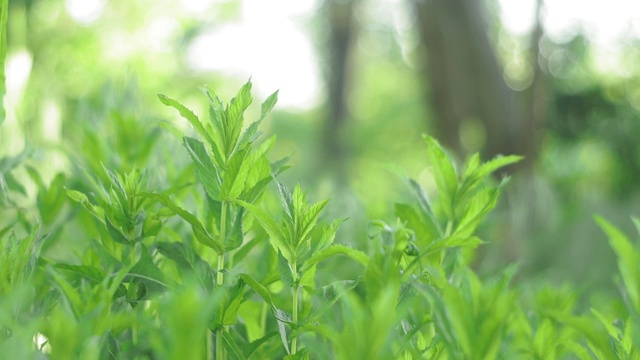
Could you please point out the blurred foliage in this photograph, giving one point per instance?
(81, 87)
(82, 117)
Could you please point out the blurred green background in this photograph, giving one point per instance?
(557, 81)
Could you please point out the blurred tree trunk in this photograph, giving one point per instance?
(464, 77)
(537, 96)
(341, 31)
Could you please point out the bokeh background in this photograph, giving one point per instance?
(359, 81)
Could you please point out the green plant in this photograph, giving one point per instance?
(235, 268)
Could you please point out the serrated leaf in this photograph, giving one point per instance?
(236, 175)
(425, 207)
(281, 316)
(444, 174)
(268, 104)
(474, 173)
(252, 131)
(597, 340)
(51, 200)
(277, 238)
(442, 322)
(628, 260)
(234, 115)
(286, 273)
(477, 207)
(107, 260)
(336, 249)
(607, 323)
(189, 262)
(206, 170)
(426, 230)
(233, 350)
(286, 199)
(189, 116)
(91, 273)
(277, 167)
(328, 235)
(115, 233)
(232, 303)
(235, 231)
(496, 163)
(199, 231)
(259, 289)
(252, 194)
(454, 241)
(71, 295)
(309, 221)
(81, 198)
(147, 272)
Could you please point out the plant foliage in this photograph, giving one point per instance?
(208, 267)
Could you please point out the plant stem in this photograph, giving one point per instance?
(220, 353)
(294, 341)
(223, 223)
(208, 346)
(134, 328)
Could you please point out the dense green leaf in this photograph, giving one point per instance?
(232, 301)
(276, 236)
(252, 131)
(444, 174)
(236, 175)
(247, 247)
(259, 289)
(206, 170)
(92, 273)
(286, 272)
(84, 201)
(478, 206)
(189, 262)
(115, 233)
(328, 236)
(147, 272)
(628, 260)
(250, 350)
(425, 229)
(233, 350)
(454, 241)
(189, 116)
(235, 230)
(336, 249)
(199, 231)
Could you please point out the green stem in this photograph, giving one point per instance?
(208, 346)
(294, 341)
(220, 353)
(134, 328)
(223, 223)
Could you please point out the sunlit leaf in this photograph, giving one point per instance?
(206, 170)
(199, 231)
(444, 174)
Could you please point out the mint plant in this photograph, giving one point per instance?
(167, 270)
(298, 250)
(229, 168)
